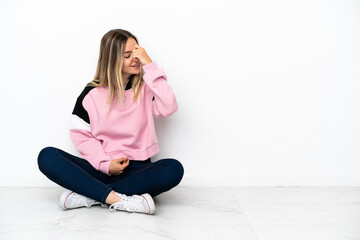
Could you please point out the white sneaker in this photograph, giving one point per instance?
(135, 203)
(70, 200)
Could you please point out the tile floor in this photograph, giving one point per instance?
(262, 213)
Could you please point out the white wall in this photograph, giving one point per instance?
(268, 91)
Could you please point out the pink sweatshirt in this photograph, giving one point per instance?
(128, 131)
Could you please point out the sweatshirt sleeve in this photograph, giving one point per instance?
(164, 101)
(89, 147)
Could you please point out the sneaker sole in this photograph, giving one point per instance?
(150, 203)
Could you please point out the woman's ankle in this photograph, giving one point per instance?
(112, 198)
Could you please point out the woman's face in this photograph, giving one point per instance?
(129, 62)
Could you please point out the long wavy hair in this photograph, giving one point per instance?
(109, 67)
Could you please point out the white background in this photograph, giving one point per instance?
(268, 91)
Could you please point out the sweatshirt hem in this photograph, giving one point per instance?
(136, 155)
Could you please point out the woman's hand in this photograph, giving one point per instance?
(117, 166)
(141, 54)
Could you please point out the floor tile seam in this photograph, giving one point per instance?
(66, 231)
(246, 218)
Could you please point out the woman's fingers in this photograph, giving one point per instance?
(126, 163)
(122, 164)
(122, 160)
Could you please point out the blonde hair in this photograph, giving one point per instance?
(109, 67)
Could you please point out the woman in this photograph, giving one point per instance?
(112, 127)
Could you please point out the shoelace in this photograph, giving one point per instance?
(127, 203)
(80, 200)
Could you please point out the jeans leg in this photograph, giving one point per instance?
(153, 178)
(74, 173)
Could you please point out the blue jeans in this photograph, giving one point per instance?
(78, 175)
